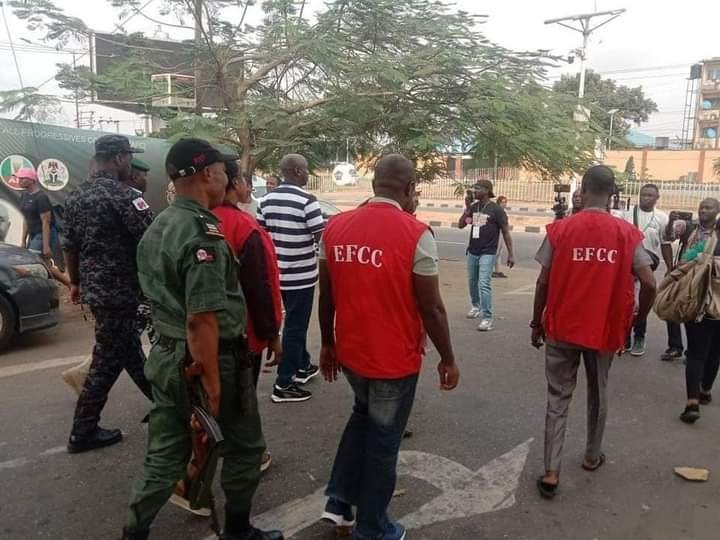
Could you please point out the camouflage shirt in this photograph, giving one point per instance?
(104, 221)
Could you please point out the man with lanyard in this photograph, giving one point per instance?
(487, 220)
(584, 304)
(652, 223)
(189, 275)
(104, 221)
(294, 220)
(379, 294)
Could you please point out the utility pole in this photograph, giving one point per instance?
(612, 113)
(586, 29)
(77, 100)
(198, 8)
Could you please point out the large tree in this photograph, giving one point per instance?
(414, 76)
(603, 95)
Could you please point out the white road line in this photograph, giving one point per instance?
(464, 492)
(13, 463)
(11, 371)
(53, 451)
(19, 369)
(523, 291)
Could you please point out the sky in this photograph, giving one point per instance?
(652, 45)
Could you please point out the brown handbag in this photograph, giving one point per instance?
(713, 308)
(685, 294)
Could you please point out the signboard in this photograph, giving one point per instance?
(62, 157)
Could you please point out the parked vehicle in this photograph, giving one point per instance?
(29, 298)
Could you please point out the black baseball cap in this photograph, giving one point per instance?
(187, 157)
(484, 184)
(110, 145)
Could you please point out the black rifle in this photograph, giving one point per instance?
(206, 438)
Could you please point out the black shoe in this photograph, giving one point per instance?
(303, 376)
(691, 414)
(100, 439)
(671, 354)
(705, 398)
(498, 275)
(291, 394)
(136, 535)
(638, 347)
(253, 534)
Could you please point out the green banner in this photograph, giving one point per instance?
(61, 156)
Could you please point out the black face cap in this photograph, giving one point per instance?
(187, 157)
(110, 145)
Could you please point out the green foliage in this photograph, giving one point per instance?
(603, 95)
(28, 104)
(411, 76)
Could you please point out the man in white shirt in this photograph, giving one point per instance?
(652, 223)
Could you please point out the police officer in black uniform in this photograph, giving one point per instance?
(103, 224)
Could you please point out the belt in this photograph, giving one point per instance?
(226, 346)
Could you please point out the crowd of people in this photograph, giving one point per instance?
(225, 285)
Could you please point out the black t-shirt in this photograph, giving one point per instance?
(31, 206)
(487, 221)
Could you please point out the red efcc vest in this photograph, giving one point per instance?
(237, 226)
(370, 253)
(591, 294)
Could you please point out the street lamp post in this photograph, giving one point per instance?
(611, 112)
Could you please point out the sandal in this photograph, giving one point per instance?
(595, 466)
(547, 491)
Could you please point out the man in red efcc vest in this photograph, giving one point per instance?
(379, 294)
(584, 307)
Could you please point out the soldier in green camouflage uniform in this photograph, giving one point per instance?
(189, 276)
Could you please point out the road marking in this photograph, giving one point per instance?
(53, 451)
(19, 369)
(11, 371)
(526, 290)
(13, 463)
(452, 243)
(465, 492)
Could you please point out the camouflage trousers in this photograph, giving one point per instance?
(117, 347)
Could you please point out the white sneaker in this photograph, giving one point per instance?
(485, 325)
(474, 313)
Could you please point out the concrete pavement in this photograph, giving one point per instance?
(469, 468)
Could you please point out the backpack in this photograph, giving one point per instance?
(685, 294)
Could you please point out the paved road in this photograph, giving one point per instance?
(485, 441)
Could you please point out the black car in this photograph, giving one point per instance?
(29, 298)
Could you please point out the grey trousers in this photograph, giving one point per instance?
(561, 367)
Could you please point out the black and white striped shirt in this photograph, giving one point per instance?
(292, 216)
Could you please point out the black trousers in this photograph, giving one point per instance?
(117, 347)
(703, 356)
(674, 331)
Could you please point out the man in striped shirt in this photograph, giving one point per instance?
(293, 218)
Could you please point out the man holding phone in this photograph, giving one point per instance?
(486, 220)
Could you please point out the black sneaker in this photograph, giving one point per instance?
(638, 347)
(303, 376)
(290, 394)
(338, 513)
(100, 439)
(671, 354)
(705, 398)
(253, 534)
(691, 414)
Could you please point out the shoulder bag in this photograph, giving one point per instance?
(685, 294)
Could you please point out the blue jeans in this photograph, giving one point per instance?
(364, 472)
(35, 242)
(480, 269)
(298, 308)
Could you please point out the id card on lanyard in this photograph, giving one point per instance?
(480, 219)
